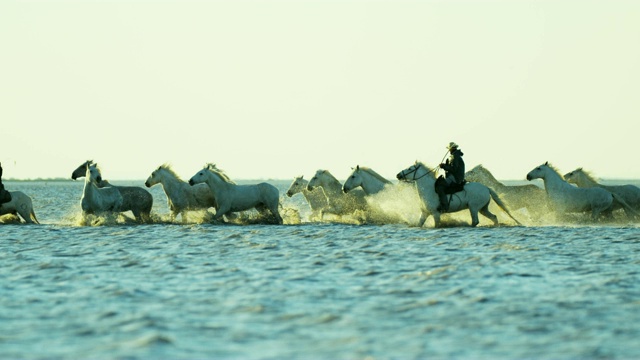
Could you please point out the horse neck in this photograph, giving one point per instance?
(552, 180)
(90, 189)
(332, 186)
(302, 188)
(170, 182)
(371, 184)
(426, 187)
(489, 178)
(216, 183)
(583, 180)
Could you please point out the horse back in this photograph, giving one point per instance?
(18, 200)
(269, 190)
(135, 198)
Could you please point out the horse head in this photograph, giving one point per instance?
(199, 177)
(414, 172)
(152, 179)
(539, 172)
(81, 170)
(297, 185)
(315, 180)
(353, 181)
(93, 173)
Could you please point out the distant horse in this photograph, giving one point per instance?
(96, 200)
(181, 197)
(475, 196)
(316, 197)
(134, 198)
(340, 203)
(630, 194)
(232, 198)
(21, 204)
(370, 181)
(566, 198)
(529, 196)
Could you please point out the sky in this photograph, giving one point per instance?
(276, 89)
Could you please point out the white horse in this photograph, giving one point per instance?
(566, 198)
(232, 198)
(134, 198)
(630, 194)
(370, 181)
(20, 204)
(340, 203)
(96, 200)
(475, 196)
(316, 197)
(387, 202)
(181, 197)
(529, 196)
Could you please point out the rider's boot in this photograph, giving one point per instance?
(444, 203)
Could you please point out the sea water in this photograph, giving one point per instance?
(314, 290)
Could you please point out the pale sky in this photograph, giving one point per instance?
(276, 89)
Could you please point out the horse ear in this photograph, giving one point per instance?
(546, 163)
(357, 167)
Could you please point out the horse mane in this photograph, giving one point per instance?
(587, 174)
(221, 174)
(430, 170)
(301, 177)
(374, 174)
(332, 178)
(170, 170)
(486, 171)
(550, 166)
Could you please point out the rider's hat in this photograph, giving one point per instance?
(452, 145)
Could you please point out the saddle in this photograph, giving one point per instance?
(454, 188)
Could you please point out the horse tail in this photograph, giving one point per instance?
(627, 208)
(500, 203)
(33, 216)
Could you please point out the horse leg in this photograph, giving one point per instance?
(137, 215)
(436, 218)
(595, 213)
(485, 211)
(474, 217)
(220, 212)
(277, 215)
(423, 218)
(25, 214)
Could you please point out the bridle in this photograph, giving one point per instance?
(414, 172)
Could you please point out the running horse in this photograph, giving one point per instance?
(475, 197)
(566, 198)
(370, 181)
(231, 197)
(181, 197)
(340, 203)
(134, 198)
(316, 197)
(529, 196)
(96, 200)
(629, 194)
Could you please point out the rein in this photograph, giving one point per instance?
(415, 170)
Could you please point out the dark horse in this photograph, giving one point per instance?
(5, 196)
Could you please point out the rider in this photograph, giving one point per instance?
(453, 180)
(5, 196)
